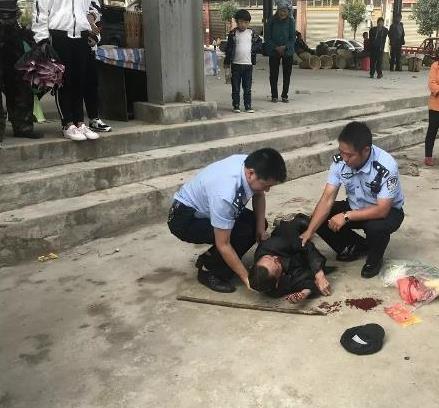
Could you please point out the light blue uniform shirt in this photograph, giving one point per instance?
(358, 182)
(218, 192)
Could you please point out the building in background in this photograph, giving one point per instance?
(318, 20)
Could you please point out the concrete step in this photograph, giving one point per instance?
(21, 189)
(29, 155)
(55, 225)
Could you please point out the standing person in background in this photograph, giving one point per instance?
(397, 40)
(280, 37)
(242, 45)
(19, 97)
(91, 86)
(377, 37)
(433, 111)
(366, 43)
(64, 24)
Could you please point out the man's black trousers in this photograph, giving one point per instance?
(395, 58)
(377, 232)
(376, 62)
(91, 86)
(287, 69)
(242, 75)
(74, 54)
(183, 224)
(433, 127)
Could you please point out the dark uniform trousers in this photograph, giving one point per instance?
(395, 58)
(19, 97)
(186, 227)
(376, 61)
(377, 232)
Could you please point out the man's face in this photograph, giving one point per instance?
(272, 264)
(365, 36)
(282, 13)
(380, 23)
(351, 157)
(257, 184)
(242, 25)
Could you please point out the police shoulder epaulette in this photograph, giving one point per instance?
(380, 169)
(337, 158)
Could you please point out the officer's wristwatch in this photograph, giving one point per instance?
(346, 217)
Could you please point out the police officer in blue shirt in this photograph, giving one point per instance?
(211, 209)
(374, 200)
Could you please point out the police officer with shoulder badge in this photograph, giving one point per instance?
(211, 209)
(374, 201)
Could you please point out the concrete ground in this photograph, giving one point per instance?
(101, 327)
(310, 90)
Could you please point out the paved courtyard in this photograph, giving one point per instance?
(101, 327)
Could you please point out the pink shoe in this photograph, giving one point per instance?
(428, 161)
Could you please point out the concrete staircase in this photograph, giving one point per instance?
(126, 179)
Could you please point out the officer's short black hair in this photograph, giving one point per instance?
(268, 164)
(261, 280)
(356, 134)
(243, 14)
(380, 19)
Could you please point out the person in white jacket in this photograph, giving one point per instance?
(64, 24)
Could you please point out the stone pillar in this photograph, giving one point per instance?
(397, 8)
(174, 61)
(301, 17)
(267, 12)
(206, 22)
(340, 30)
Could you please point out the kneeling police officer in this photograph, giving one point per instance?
(374, 200)
(211, 209)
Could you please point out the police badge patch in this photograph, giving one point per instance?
(392, 184)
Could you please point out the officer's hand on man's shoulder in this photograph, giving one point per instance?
(305, 237)
(262, 235)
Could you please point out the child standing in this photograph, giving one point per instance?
(242, 45)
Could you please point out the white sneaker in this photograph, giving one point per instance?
(73, 133)
(89, 134)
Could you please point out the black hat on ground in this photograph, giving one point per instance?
(361, 340)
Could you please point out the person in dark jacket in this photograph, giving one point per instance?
(280, 37)
(284, 268)
(19, 97)
(397, 40)
(300, 44)
(377, 38)
(242, 45)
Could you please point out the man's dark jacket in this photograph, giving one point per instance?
(231, 47)
(378, 38)
(396, 40)
(299, 264)
(280, 33)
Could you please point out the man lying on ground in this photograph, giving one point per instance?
(283, 267)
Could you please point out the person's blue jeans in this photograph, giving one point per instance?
(242, 74)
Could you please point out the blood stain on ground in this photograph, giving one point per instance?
(330, 308)
(365, 304)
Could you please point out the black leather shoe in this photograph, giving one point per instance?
(209, 279)
(369, 271)
(350, 253)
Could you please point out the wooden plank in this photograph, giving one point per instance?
(311, 312)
